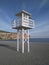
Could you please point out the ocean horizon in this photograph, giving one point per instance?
(39, 39)
(33, 40)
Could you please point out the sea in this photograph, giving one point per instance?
(39, 39)
(33, 40)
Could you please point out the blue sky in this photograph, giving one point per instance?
(39, 10)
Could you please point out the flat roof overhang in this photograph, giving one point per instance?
(23, 11)
(22, 27)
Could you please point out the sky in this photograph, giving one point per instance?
(39, 10)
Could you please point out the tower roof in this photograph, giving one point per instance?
(23, 11)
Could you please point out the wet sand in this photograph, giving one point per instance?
(39, 54)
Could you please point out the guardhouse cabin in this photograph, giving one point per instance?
(23, 24)
(24, 21)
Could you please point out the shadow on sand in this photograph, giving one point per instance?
(8, 46)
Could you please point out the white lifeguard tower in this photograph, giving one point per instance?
(23, 24)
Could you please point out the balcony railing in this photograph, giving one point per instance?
(27, 23)
(15, 23)
(31, 23)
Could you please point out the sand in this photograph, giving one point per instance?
(39, 54)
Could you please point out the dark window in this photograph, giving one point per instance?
(24, 15)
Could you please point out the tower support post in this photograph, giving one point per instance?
(22, 40)
(17, 40)
(28, 42)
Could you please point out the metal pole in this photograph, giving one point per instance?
(28, 41)
(17, 40)
(22, 40)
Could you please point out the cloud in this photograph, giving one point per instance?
(4, 15)
(23, 6)
(5, 21)
(42, 30)
(42, 3)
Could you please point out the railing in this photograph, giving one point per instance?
(13, 23)
(16, 23)
(31, 23)
(27, 22)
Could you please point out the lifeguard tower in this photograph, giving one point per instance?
(23, 24)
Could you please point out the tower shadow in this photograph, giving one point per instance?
(8, 46)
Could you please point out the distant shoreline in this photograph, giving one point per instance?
(31, 40)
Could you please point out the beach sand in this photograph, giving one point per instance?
(38, 55)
